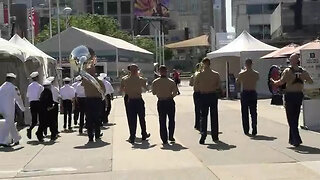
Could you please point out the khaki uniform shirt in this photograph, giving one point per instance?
(208, 81)
(248, 79)
(132, 86)
(90, 90)
(289, 77)
(191, 82)
(164, 88)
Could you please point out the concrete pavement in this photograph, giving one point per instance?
(267, 156)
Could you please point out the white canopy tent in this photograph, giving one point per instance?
(231, 58)
(33, 53)
(111, 49)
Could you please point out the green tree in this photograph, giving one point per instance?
(96, 23)
(168, 54)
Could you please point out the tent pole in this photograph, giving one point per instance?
(159, 49)
(117, 61)
(163, 48)
(156, 41)
(227, 79)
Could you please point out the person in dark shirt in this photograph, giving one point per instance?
(47, 105)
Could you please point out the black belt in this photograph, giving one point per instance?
(165, 99)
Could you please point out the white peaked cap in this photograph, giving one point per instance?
(66, 79)
(11, 75)
(103, 75)
(100, 78)
(51, 78)
(34, 74)
(78, 78)
(46, 82)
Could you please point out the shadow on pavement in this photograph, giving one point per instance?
(46, 143)
(10, 149)
(93, 145)
(173, 147)
(68, 131)
(143, 145)
(305, 149)
(263, 138)
(110, 124)
(221, 146)
(104, 128)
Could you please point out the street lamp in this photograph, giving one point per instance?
(67, 11)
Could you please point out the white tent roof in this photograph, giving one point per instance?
(7, 47)
(30, 49)
(31, 46)
(244, 42)
(117, 43)
(73, 37)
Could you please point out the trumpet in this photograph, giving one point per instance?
(80, 60)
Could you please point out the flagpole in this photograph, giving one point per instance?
(31, 18)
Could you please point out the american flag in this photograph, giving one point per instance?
(32, 16)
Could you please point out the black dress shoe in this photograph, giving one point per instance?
(5, 145)
(29, 133)
(39, 137)
(202, 140)
(131, 140)
(16, 143)
(172, 139)
(254, 132)
(90, 140)
(99, 137)
(215, 139)
(145, 136)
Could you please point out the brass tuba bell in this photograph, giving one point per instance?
(80, 60)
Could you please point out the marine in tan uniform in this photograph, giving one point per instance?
(208, 82)
(248, 79)
(294, 77)
(196, 98)
(132, 86)
(165, 89)
(93, 105)
(122, 90)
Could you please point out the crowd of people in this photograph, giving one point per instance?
(84, 100)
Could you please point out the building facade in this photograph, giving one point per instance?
(254, 16)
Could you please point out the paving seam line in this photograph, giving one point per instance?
(29, 161)
(66, 174)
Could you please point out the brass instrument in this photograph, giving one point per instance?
(80, 61)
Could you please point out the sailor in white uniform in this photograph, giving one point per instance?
(109, 96)
(33, 94)
(9, 95)
(67, 93)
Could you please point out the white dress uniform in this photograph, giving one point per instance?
(108, 86)
(9, 95)
(33, 94)
(67, 93)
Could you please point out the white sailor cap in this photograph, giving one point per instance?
(100, 78)
(11, 75)
(46, 82)
(103, 75)
(67, 79)
(51, 78)
(78, 78)
(34, 74)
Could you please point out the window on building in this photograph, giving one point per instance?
(126, 22)
(112, 8)
(125, 7)
(261, 8)
(99, 8)
(254, 9)
(269, 8)
(260, 31)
